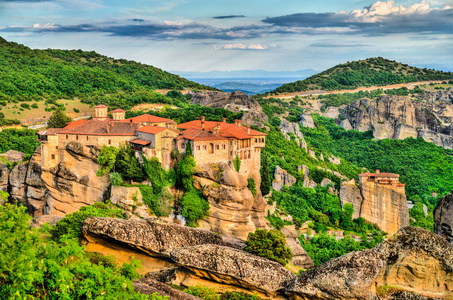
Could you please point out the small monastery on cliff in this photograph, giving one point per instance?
(211, 142)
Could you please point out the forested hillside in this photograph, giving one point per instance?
(375, 71)
(27, 74)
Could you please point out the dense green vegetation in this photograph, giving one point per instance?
(207, 293)
(24, 140)
(34, 267)
(375, 71)
(270, 244)
(27, 74)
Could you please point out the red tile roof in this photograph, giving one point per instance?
(226, 129)
(200, 135)
(101, 106)
(140, 142)
(96, 127)
(389, 175)
(118, 110)
(75, 123)
(147, 119)
(50, 131)
(151, 129)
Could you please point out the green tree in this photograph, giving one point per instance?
(155, 173)
(265, 178)
(270, 244)
(115, 178)
(58, 119)
(106, 159)
(128, 166)
(252, 186)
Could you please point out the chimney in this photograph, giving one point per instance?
(216, 129)
(202, 118)
(224, 120)
(378, 171)
(237, 122)
(202, 123)
(197, 118)
(248, 129)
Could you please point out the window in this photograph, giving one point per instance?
(198, 148)
(223, 146)
(87, 137)
(66, 136)
(256, 140)
(217, 147)
(77, 137)
(56, 147)
(204, 147)
(211, 148)
(183, 146)
(53, 156)
(110, 142)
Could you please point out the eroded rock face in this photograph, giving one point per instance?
(234, 267)
(4, 177)
(399, 117)
(300, 256)
(293, 128)
(150, 286)
(234, 211)
(443, 217)
(235, 102)
(306, 120)
(62, 189)
(415, 262)
(282, 178)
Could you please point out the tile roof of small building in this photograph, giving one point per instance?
(199, 135)
(118, 110)
(226, 129)
(379, 174)
(50, 131)
(96, 127)
(147, 119)
(140, 142)
(101, 106)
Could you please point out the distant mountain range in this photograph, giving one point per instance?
(248, 74)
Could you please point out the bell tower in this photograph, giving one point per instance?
(100, 112)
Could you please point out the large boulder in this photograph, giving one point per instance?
(233, 267)
(443, 217)
(415, 263)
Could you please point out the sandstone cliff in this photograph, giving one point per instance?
(430, 117)
(234, 211)
(414, 264)
(60, 190)
(377, 202)
(235, 102)
(443, 217)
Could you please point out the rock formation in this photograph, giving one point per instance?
(234, 210)
(300, 256)
(293, 128)
(282, 178)
(62, 189)
(443, 217)
(235, 102)
(130, 199)
(150, 286)
(380, 198)
(415, 263)
(399, 117)
(233, 267)
(306, 120)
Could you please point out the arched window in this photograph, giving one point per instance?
(204, 147)
(198, 148)
(250, 154)
(77, 137)
(256, 140)
(211, 148)
(87, 137)
(183, 146)
(217, 147)
(223, 146)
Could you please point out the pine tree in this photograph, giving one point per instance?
(265, 179)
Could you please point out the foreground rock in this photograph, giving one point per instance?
(233, 267)
(234, 210)
(149, 286)
(443, 217)
(394, 117)
(300, 257)
(416, 263)
(235, 102)
(146, 240)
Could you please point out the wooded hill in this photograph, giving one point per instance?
(27, 74)
(375, 71)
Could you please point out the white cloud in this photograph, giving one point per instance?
(241, 46)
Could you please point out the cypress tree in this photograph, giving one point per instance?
(265, 179)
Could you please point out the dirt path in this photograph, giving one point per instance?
(410, 85)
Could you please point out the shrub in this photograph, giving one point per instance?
(202, 292)
(25, 105)
(115, 179)
(270, 244)
(76, 110)
(70, 225)
(34, 105)
(155, 173)
(107, 159)
(239, 296)
(251, 186)
(160, 203)
(194, 207)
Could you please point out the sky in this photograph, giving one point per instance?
(207, 35)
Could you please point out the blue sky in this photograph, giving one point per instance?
(206, 35)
